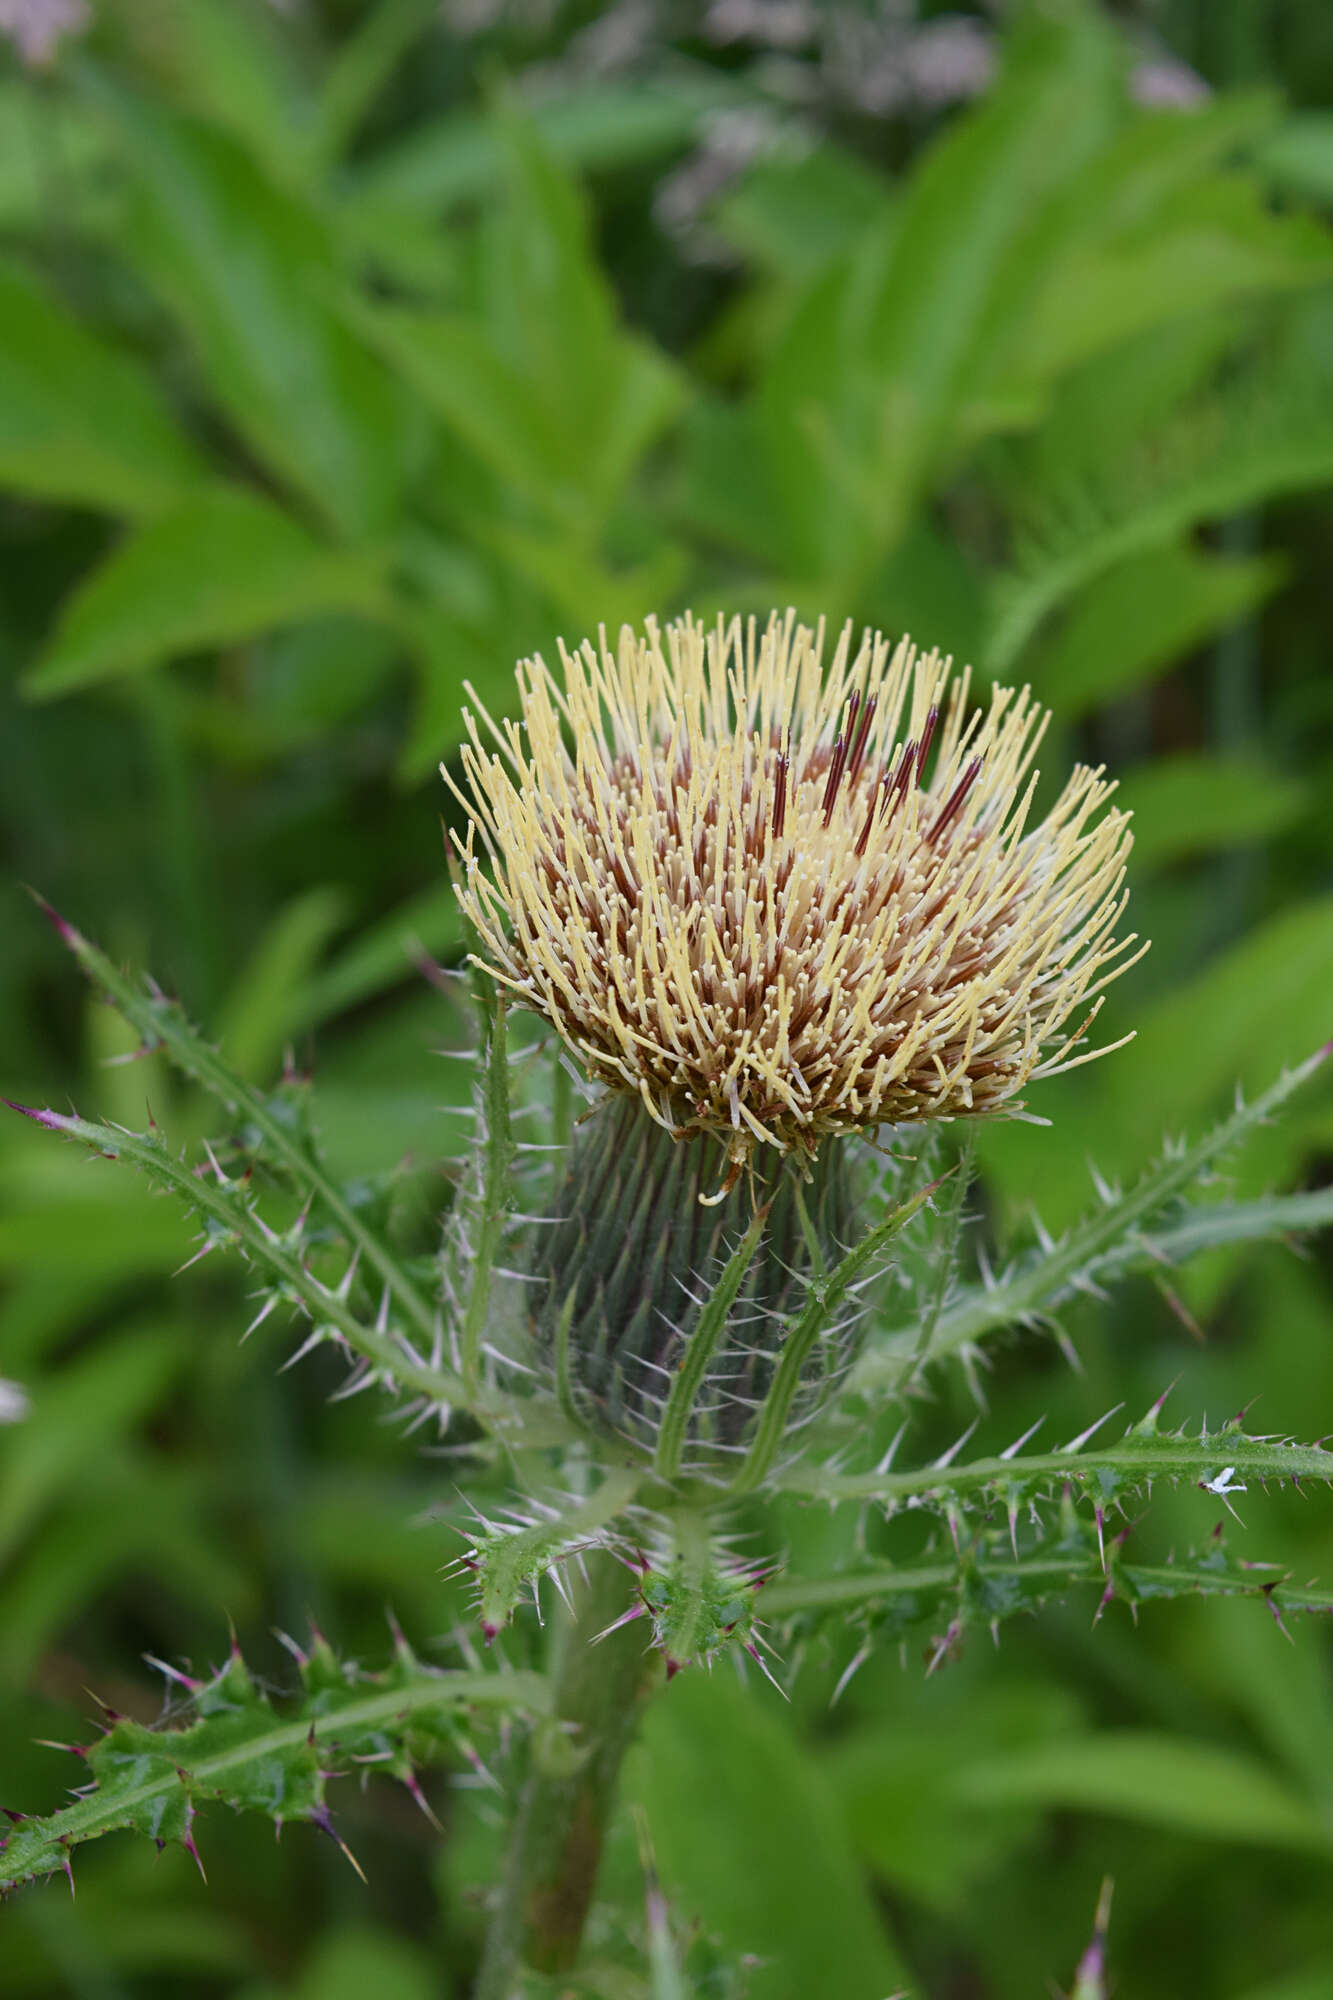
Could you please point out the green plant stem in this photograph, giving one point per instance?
(556, 1842)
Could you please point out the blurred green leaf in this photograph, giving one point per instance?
(452, 363)
(267, 1002)
(932, 589)
(1298, 158)
(1268, 435)
(227, 61)
(360, 67)
(1281, 1688)
(79, 1413)
(791, 214)
(252, 274)
(60, 1222)
(77, 1231)
(1198, 804)
(53, 159)
(1214, 242)
(550, 309)
(118, 1521)
(402, 253)
(314, 676)
(975, 199)
(730, 496)
(459, 156)
(447, 650)
(895, 1777)
(359, 1528)
(1260, 1004)
(1312, 1984)
(222, 567)
(1142, 614)
(544, 387)
(861, 399)
(353, 1962)
(1133, 391)
(749, 1842)
(573, 581)
(820, 431)
(1157, 1780)
(121, 1925)
(387, 954)
(80, 422)
(383, 1098)
(1142, 233)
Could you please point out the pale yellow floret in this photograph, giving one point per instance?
(760, 950)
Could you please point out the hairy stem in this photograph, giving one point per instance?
(556, 1843)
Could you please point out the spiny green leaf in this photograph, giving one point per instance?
(985, 1583)
(945, 1246)
(238, 1750)
(163, 1022)
(1221, 1462)
(1112, 1240)
(514, 1554)
(702, 1601)
(228, 1209)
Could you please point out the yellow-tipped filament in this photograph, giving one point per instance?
(778, 901)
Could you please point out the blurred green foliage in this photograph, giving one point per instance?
(352, 350)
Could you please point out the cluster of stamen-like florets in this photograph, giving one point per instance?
(778, 901)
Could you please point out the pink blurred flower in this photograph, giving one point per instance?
(1162, 82)
(35, 27)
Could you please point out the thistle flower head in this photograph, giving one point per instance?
(777, 902)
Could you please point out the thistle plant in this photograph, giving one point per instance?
(794, 929)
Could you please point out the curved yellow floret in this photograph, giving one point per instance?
(779, 902)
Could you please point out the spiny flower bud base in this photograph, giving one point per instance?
(637, 1241)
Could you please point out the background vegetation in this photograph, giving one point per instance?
(353, 348)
